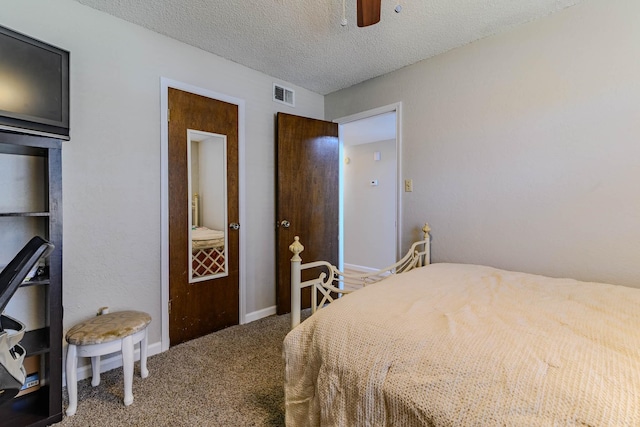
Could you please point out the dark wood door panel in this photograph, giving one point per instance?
(203, 307)
(306, 195)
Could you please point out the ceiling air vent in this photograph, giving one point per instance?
(284, 95)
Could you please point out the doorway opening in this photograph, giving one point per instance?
(370, 189)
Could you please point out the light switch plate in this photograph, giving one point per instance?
(408, 185)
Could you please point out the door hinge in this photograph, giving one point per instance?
(168, 114)
(169, 306)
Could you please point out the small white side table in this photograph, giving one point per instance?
(105, 334)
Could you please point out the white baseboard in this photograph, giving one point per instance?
(256, 315)
(359, 268)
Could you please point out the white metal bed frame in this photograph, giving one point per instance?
(333, 280)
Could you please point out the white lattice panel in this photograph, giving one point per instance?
(206, 262)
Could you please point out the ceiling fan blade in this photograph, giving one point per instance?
(368, 12)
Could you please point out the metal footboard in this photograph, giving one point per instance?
(331, 283)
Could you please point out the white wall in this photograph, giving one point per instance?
(111, 166)
(524, 147)
(370, 211)
(213, 177)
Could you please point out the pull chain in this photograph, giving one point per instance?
(344, 14)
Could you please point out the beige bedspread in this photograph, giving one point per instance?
(465, 345)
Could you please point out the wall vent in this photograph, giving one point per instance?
(284, 95)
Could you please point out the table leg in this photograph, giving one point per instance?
(127, 366)
(95, 371)
(72, 380)
(144, 372)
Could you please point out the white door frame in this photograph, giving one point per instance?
(165, 84)
(397, 108)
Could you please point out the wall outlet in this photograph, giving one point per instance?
(408, 185)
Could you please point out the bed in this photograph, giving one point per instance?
(462, 345)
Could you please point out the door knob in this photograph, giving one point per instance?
(234, 226)
(285, 224)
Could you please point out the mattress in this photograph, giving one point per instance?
(467, 345)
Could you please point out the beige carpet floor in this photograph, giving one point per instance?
(233, 377)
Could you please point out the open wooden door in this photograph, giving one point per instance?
(307, 196)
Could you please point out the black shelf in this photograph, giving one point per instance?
(36, 281)
(36, 341)
(29, 214)
(27, 145)
(43, 406)
(30, 409)
(22, 150)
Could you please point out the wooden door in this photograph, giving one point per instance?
(197, 309)
(306, 196)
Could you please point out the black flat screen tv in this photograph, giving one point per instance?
(34, 86)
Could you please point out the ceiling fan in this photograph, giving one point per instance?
(368, 12)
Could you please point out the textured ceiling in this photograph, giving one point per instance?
(303, 42)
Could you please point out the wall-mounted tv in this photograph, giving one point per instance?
(34, 86)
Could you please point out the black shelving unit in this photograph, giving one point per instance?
(43, 406)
